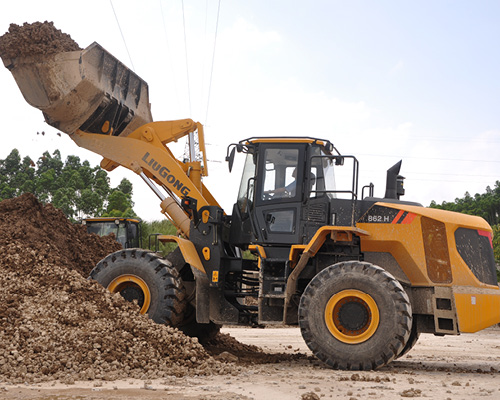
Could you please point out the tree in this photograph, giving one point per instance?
(75, 187)
(486, 205)
(120, 203)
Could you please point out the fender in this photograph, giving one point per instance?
(337, 234)
(187, 249)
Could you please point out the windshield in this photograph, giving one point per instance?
(322, 167)
(247, 184)
(106, 228)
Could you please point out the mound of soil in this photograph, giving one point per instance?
(35, 39)
(56, 324)
(26, 221)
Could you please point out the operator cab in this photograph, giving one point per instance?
(286, 189)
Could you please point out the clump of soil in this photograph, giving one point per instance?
(223, 343)
(56, 324)
(38, 38)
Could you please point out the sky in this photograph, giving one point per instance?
(417, 81)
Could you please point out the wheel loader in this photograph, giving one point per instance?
(361, 276)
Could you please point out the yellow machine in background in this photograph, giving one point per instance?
(361, 276)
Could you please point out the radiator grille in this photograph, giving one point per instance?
(476, 250)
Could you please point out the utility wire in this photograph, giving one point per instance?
(473, 140)
(448, 174)
(428, 158)
(213, 59)
(186, 54)
(169, 55)
(123, 37)
(204, 58)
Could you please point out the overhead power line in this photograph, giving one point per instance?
(213, 60)
(186, 55)
(455, 139)
(169, 54)
(427, 158)
(121, 33)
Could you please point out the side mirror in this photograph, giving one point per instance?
(230, 159)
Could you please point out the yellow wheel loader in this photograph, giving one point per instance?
(361, 276)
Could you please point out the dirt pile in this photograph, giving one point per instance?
(225, 347)
(25, 221)
(56, 324)
(35, 39)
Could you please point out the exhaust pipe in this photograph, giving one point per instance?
(394, 186)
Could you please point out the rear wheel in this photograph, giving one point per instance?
(142, 276)
(355, 315)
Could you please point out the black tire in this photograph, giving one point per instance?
(412, 340)
(204, 332)
(355, 316)
(143, 276)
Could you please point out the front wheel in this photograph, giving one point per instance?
(355, 316)
(204, 332)
(143, 277)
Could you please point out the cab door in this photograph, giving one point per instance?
(279, 193)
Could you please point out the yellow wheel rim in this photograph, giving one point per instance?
(132, 287)
(352, 316)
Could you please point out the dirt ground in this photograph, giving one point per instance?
(453, 367)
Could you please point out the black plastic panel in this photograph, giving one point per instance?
(477, 252)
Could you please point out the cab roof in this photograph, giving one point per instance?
(111, 219)
(326, 144)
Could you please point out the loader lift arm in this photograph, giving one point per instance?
(145, 152)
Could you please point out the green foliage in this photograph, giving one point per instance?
(120, 201)
(486, 205)
(75, 187)
(149, 231)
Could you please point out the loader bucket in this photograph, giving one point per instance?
(88, 90)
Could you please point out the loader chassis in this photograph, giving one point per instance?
(361, 276)
(396, 230)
